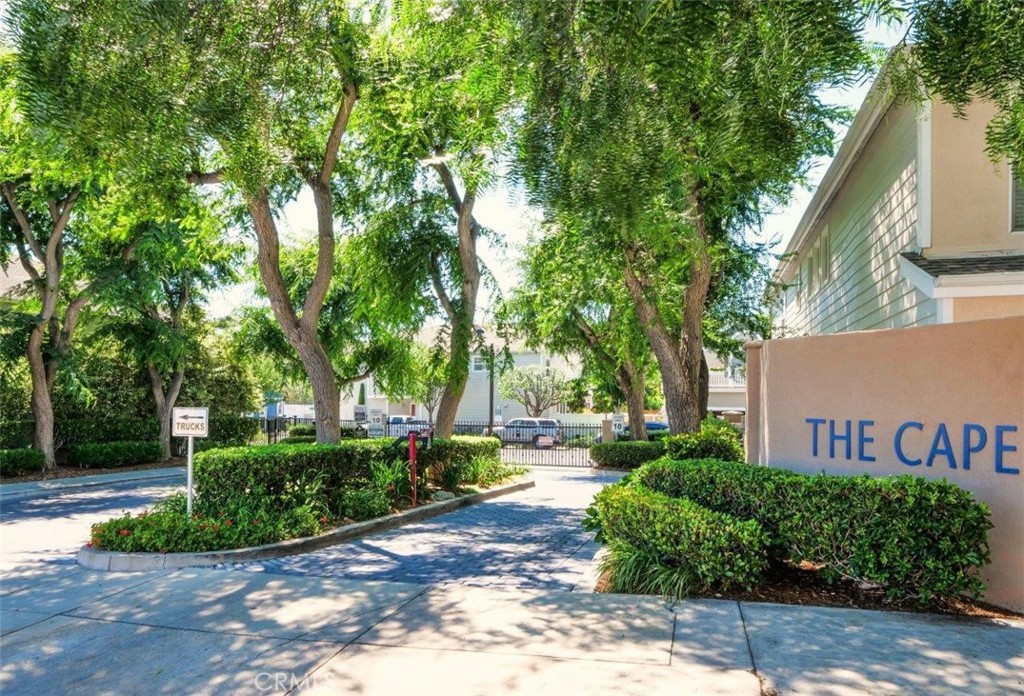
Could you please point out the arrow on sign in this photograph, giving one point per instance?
(190, 418)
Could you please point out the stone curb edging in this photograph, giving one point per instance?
(55, 487)
(97, 559)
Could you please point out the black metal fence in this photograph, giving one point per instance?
(542, 442)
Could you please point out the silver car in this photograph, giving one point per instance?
(529, 430)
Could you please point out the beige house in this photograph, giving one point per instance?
(912, 224)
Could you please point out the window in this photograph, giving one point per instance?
(479, 363)
(1017, 202)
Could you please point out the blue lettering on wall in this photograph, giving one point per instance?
(970, 449)
(898, 442)
(909, 449)
(941, 446)
(815, 422)
(863, 439)
(833, 438)
(1002, 447)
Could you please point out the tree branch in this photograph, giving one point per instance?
(442, 295)
(203, 178)
(341, 119)
(26, 228)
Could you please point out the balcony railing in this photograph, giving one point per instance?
(720, 380)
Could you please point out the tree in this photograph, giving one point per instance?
(253, 96)
(360, 337)
(70, 235)
(662, 123)
(429, 377)
(536, 388)
(445, 88)
(969, 50)
(574, 302)
(154, 307)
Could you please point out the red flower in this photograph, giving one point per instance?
(324, 520)
(88, 545)
(229, 523)
(202, 527)
(125, 532)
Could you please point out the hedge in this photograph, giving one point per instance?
(20, 461)
(916, 537)
(302, 429)
(673, 546)
(297, 440)
(716, 439)
(224, 429)
(222, 474)
(627, 454)
(113, 454)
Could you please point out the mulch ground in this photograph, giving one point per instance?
(67, 472)
(804, 586)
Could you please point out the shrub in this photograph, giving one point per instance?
(302, 430)
(112, 454)
(223, 473)
(716, 439)
(627, 454)
(457, 451)
(673, 546)
(233, 430)
(917, 538)
(297, 440)
(245, 521)
(22, 460)
(364, 502)
(16, 434)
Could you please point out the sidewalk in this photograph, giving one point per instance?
(213, 631)
(31, 489)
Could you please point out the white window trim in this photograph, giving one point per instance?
(482, 365)
(924, 176)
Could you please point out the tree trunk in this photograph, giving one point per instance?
(165, 403)
(634, 386)
(42, 404)
(705, 385)
(455, 385)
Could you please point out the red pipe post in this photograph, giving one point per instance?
(412, 464)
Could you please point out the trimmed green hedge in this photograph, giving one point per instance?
(673, 546)
(222, 474)
(112, 454)
(626, 454)
(716, 439)
(916, 537)
(302, 430)
(297, 440)
(224, 429)
(459, 450)
(20, 461)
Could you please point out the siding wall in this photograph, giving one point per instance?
(871, 220)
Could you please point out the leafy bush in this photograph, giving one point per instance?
(20, 461)
(297, 440)
(673, 546)
(246, 521)
(716, 439)
(394, 479)
(457, 451)
(112, 454)
(360, 503)
(917, 538)
(223, 473)
(627, 454)
(233, 430)
(302, 430)
(16, 434)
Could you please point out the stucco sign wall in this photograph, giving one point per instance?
(939, 401)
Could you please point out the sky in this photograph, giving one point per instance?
(503, 211)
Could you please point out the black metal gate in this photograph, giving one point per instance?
(524, 441)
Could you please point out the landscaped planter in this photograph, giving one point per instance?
(98, 559)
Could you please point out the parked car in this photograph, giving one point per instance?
(652, 428)
(528, 430)
(401, 426)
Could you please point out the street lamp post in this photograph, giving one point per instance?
(490, 409)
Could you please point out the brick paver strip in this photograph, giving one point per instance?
(528, 540)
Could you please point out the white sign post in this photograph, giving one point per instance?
(190, 423)
(618, 423)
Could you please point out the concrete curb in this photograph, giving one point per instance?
(96, 559)
(34, 489)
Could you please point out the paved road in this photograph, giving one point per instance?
(527, 540)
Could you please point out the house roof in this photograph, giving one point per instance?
(966, 265)
(13, 279)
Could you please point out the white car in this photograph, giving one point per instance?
(529, 430)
